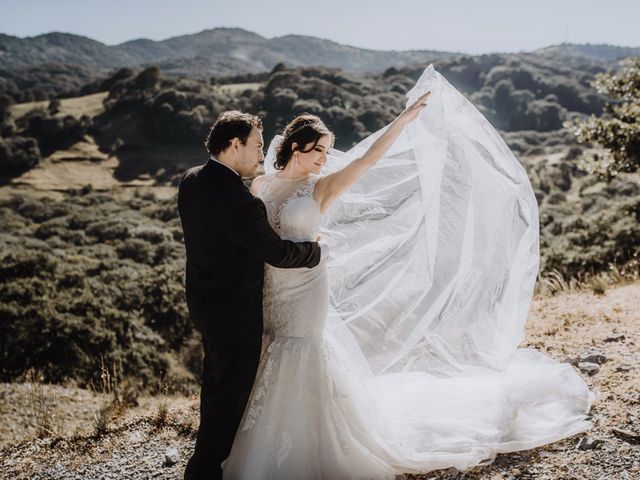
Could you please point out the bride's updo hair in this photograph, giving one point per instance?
(303, 129)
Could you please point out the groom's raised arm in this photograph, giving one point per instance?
(247, 224)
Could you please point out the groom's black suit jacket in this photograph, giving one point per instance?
(228, 239)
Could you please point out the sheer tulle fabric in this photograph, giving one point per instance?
(434, 259)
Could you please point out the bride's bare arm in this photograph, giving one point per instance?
(330, 187)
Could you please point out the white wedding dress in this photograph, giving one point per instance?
(399, 354)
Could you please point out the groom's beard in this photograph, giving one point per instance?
(249, 170)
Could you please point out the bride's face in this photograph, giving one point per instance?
(313, 160)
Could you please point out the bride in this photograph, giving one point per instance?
(399, 353)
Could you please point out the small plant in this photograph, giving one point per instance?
(112, 403)
(553, 282)
(598, 285)
(162, 414)
(624, 275)
(185, 421)
(40, 403)
(161, 417)
(102, 418)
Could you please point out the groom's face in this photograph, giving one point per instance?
(251, 153)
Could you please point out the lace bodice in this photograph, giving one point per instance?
(292, 210)
(295, 299)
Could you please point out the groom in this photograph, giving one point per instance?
(228, 239)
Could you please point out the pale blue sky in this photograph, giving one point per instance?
(471, 26)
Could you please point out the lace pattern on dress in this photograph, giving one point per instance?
(327, 363)
(305, 188)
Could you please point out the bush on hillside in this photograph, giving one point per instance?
(56, 133)
(95, 280)
(17, 155)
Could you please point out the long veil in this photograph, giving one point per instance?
(435, 255)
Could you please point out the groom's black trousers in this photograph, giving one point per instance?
(228, 239)
(229, 369)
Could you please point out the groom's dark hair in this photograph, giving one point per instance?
(229, 125)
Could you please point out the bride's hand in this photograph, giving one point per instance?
(414, 110)
(335, 184)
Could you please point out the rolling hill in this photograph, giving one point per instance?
(606, 53)
(219, 51)
(227, 51)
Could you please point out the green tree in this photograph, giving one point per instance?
(618, 130)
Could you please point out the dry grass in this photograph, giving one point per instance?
(553, 282)
(86, 105)
(115, 397)
(161, 416)
(39, 401)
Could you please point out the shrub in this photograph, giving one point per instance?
(147, 79)
(545, 115)
(26, 264)
(163, 305)
(55, 133)
(106, 230)
(137, 250)
(152, 234)
(17, 155)
(54, 106)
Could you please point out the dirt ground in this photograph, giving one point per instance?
(565, 327)
(568, 326)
